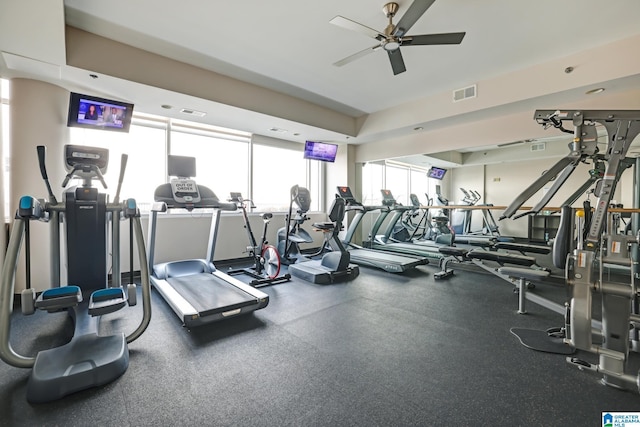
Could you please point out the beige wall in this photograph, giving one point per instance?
(38, 117)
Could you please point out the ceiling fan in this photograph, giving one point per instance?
(395, 36)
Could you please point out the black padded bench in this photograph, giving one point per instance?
(517, 270)
(501, 258)
(451, 253)
(523, 248)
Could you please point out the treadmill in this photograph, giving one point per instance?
(387, 261)
(382, 242)
(196, 291)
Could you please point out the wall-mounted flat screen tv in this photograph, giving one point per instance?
(92, 112)
(320, 151)
(436, 173)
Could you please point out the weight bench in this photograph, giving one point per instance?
(451, 254)
(523, 248)
(522, 275)
(512, 267)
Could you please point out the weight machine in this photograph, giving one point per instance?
(585, 245)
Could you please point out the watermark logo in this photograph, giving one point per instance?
(621, 419)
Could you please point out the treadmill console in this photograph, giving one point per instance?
(346, 194)
(387, 198)
(185, 190)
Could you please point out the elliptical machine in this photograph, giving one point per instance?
(266, 260)
(89, 359)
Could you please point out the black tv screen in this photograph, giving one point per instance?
(436, 173)
(92, 112)
(320, 151)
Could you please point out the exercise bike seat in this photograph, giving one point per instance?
(324, 226)
(266, 215)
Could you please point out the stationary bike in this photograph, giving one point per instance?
(266, 260)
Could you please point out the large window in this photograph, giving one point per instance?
(372, 183)
(420, 186)
(144, 146)
(226, 160)
(402, 180)
(222, 164)
(222, 161)
(276, 169)
(397, 180)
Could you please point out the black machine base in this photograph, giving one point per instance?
(315, 272)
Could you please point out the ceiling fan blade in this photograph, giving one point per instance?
(356, 55)
(343, 22)
(397, 63)
(431, 39)
(415, 11)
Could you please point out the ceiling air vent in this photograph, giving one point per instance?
(538, 146)
(464, 93)
(193, 112)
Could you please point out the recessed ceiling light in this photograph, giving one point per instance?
(418, 128)
(93, 76)
(594, 91)
(166, 106)
(275, 129)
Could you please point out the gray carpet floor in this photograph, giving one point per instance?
(382, 350)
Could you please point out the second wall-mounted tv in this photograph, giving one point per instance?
(92, 112)
(436, 173)
(320, 151)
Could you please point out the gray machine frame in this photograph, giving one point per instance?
(595, 245)
(89, 359)
(387, 261)
(196, 291)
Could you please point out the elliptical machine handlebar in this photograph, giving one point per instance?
(91, 169)
(43, 171)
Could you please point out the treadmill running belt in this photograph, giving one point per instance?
(209, 294)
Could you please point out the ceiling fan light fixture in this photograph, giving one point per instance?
(391, 45)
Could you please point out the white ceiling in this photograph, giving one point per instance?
(515, 51)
